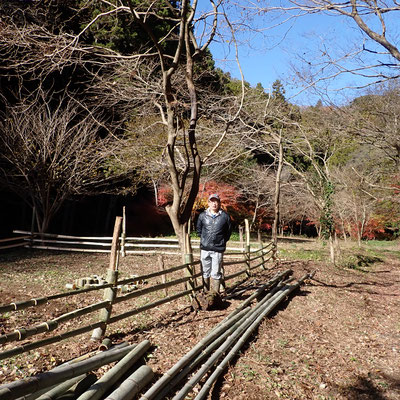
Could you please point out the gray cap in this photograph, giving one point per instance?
(213, 196)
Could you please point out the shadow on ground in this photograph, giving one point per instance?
(371, 387)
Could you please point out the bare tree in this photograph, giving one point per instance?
(163, 82)
(368, 54)
(51, 150)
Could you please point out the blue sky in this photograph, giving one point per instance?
(269, 56)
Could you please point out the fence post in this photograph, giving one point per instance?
(32, 226)
(112, 277)
(262, 253)
(189, 259)
(247, 247)
(164, 276)
(123, 234)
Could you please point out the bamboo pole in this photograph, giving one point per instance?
(43, 300)
(131, 386)
(149, 306)
(54, 339)
(123, 233)
(169, 386)
(247, 321)
(60, 389)
(79, 388)
(138, 293)
(96, 391)
(23, 333)
(224, 363)
(112, 277)
(164, 275)
(174, 370)
(12, 391)
(247, 247)
(262, 254)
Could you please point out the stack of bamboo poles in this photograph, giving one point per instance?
(214, 352)
(76, 380)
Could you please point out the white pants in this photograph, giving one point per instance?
(211, 262)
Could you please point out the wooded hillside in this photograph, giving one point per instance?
(102, 98)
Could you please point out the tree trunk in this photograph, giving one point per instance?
(277, 195)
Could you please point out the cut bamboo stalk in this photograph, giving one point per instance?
(54, 339)
(60, 389)
(267, 309)
(105, 344)
(248, 320)
(152, 392)
(130, 387)
(112, 277)
(79, 388)
(164, 275)
(96, 391)
(43, 300)
(149, 306)
(12, 391)
(200, 357)
(273, 281)
(21, 334)
(138, 293)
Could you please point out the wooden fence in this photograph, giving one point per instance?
(93, 244)
(188, 273)
(17, 241)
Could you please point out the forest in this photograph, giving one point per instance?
(116, 97)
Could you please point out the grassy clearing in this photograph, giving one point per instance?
(350, 255)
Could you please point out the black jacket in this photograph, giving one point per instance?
(214, 232)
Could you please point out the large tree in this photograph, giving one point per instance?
(143, 66)
(52, 148)
(160, 87)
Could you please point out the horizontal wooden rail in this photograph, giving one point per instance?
(69, 249)
(13, 239)
(141, 292)
(43, 300)
(11, 246)
(153, 245)
(73, 242)
(44, 342)
(48, 326)
(234, 275)
(233, 262)
(55, 235)
(155, 274)
(152, 305)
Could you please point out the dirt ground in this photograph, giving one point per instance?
(338, 337)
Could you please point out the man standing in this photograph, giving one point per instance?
(214, 228)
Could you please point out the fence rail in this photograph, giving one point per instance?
(261, 255)
(21, 241)
(50, 241)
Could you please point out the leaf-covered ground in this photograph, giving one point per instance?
(336, 338)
